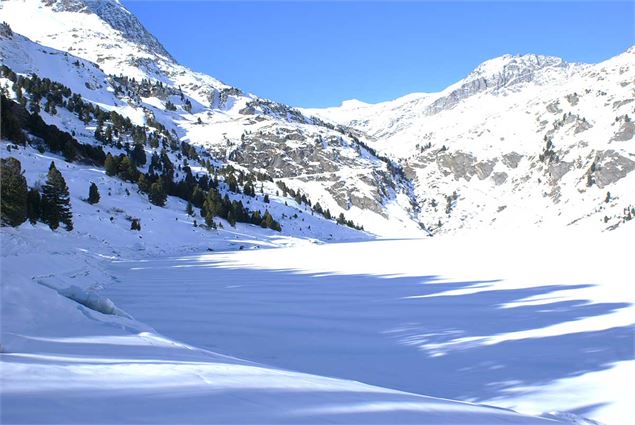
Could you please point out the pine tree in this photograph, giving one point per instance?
(70, 154)
(56, 199)
(13, 195)
(198, 197)
(33, 206)
(269, 222)
(231, 219)
(157, 193)
(247, 189)
(256, 218)
(138, 154)
(123, 171)
(213, 206)
(93, 194)
(143, 183)
(135, 224)
(10, 127)
(111, 165)
(189, 210)
(99, 134)
(108, 134)
(266, 220)
(232, 183)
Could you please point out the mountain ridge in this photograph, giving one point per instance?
(405, 164)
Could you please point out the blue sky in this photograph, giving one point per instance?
(315, 54)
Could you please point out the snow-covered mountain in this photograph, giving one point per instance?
(329, 164)
(523, 139)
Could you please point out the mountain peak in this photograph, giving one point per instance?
(517, 64)
(353, 104)
(117, 16)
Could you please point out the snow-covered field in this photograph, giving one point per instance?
(537, 323)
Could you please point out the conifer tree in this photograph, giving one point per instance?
(108, 134)
(138, 154)
(124, 168)
(93, 194)
(135, 224)
(231, 218)
(198, 197)
(232, 183)
(33, 206)
(189, 210)
(213, 206)
(256, 218)
(99, 135)
(269, 222)
(143, 183)
(70, 154)
(57, 204)
(10, 127)
(247, 189)
(13, 196)
(157, 193)
(111, 165)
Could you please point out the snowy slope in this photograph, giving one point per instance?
(240, 129)
(522, 141)
(63, 362)
(485, 139)
(533, 322)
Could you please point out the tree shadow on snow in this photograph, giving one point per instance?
(396, 332)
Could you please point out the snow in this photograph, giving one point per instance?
(64, 362)
(508, 104)
(221, 127)
(535, 323)
(512, 307)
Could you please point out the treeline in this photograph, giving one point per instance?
(112, 128)
(158, 182)
(15, 120)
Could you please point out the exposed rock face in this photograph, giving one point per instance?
(581, 125)
(625, 132)
(464, 165)
(610, 167)
(459, 165)
(484, 169)
(558, 169)
(499, 178)
(554, 108)
(312, 157)
(573, 99)
(512, 159)
(276, 110)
